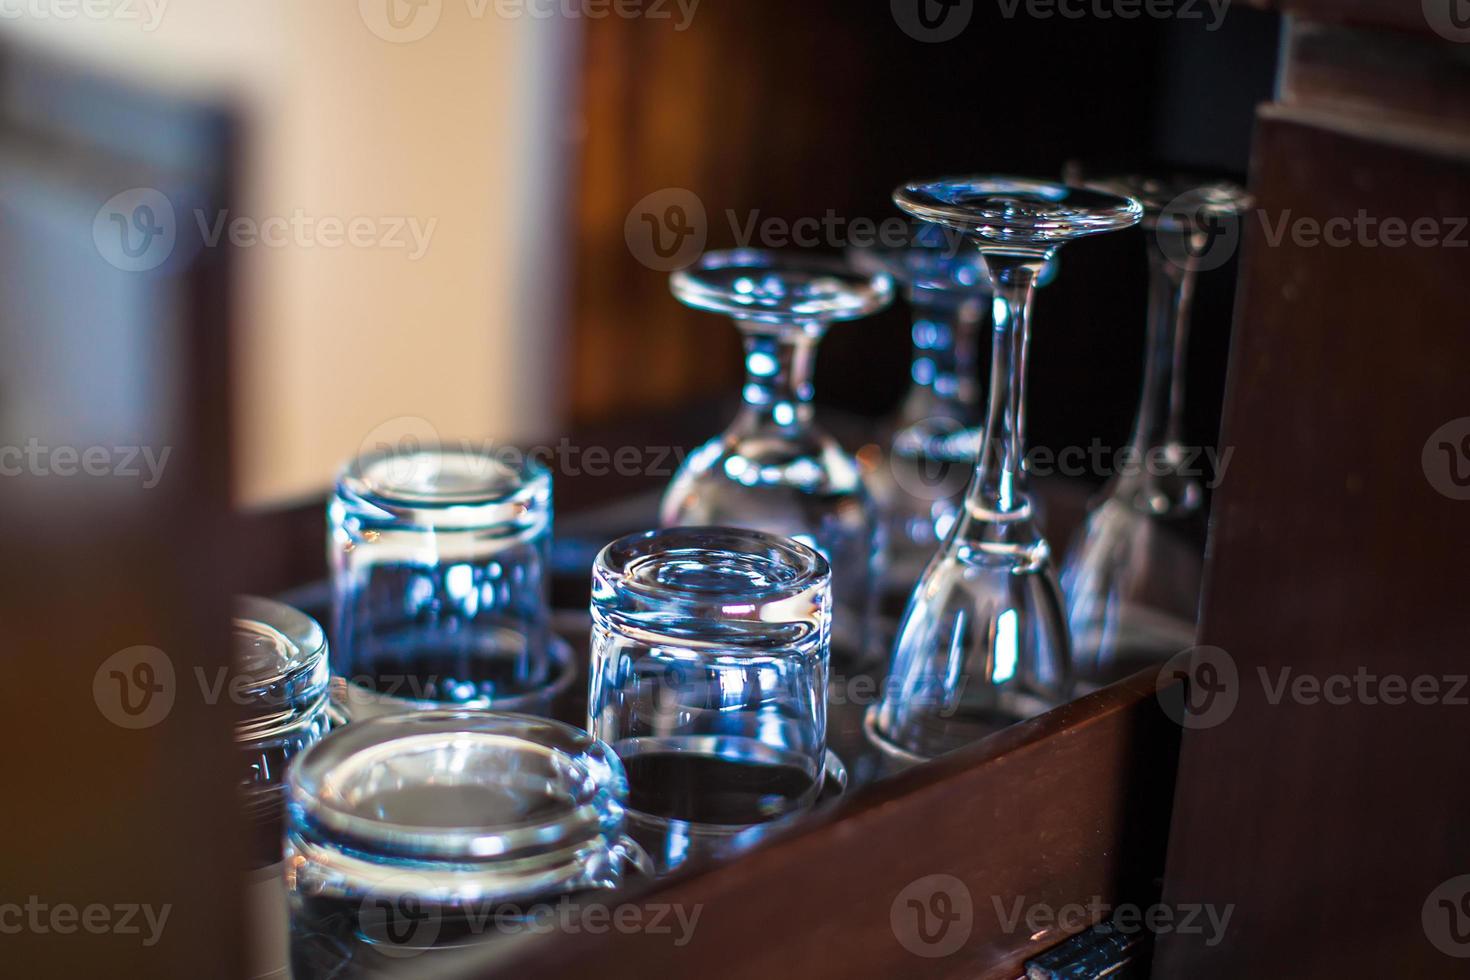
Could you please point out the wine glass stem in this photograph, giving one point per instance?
(999, 482)
(946, 336)
(1171, 294)
(778, 376)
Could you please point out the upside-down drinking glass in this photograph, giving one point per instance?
(774, 469)
(280, 682)
(429, 830)
(1132, 573)
(440, 583)
(709, 675)
(983, 642)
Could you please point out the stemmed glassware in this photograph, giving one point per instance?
(773, 469)
(984, 643)
(930, 451)
(1132, 573)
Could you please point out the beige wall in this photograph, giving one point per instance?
(461, 132)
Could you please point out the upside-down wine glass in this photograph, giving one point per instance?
(930, 452)
(1132, 573)
(774, 469)
(983, 642)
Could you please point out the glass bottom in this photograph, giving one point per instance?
(925, 737)
(333, 937)
(412, 683)
(1134, 638)
(696, 800)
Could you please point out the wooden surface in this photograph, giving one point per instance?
(1327, 827)
(107, 811)
(1068, 808)
(1386, 81)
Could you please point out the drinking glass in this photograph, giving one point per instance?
(774, 469)
(1132, 573)
(440, 583)
(280, 684)
(425, 831)
(983, 642)
(710, 655)
(936, 434)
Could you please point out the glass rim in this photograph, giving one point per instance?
(1162, 194)
(872, 290)
(420, 466)
(1080, 210)
(289, 694)
(593, 808)
(806, 568)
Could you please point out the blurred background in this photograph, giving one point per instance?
(255, 238)
(501, 157)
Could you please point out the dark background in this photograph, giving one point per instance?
(797, 109)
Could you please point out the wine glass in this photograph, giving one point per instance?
(932, 442)
(983, 643)
(774, 469)
(1132, 573)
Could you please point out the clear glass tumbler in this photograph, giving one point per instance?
(440, 583)
(710, 652)
(280, 686)
(418, 832)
